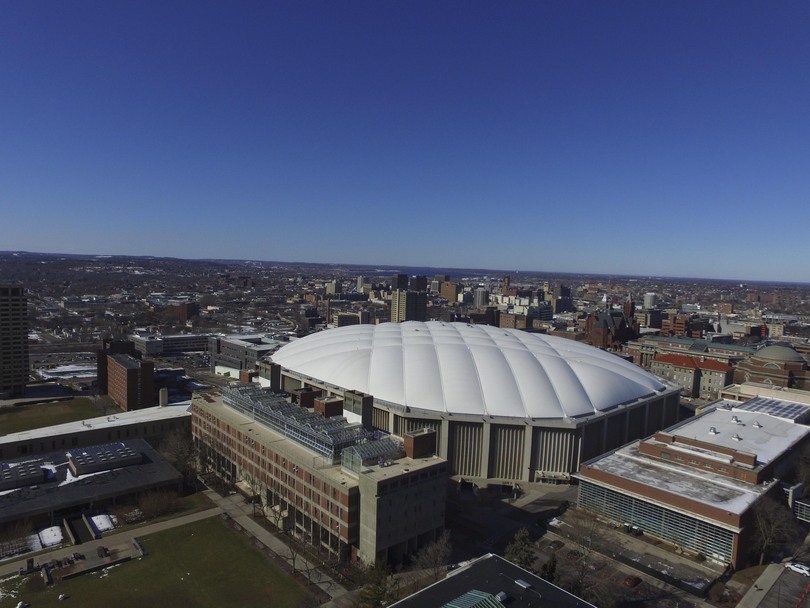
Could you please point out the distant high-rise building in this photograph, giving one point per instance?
(360, 280)
(13, 340)
(111, 347)
(450, 291)
(418, 283)
(408, 306)
(480, 297)
(399, 281)
(650, 300)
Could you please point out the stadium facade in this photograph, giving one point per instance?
(507, 406)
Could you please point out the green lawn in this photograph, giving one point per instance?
(26, 417)
(199, 565)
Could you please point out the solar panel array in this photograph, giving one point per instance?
(786, 410)
(326, 436)
(23, 474)
(93, 459)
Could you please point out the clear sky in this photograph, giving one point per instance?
(664, 138)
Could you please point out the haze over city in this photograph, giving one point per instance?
(666, 139)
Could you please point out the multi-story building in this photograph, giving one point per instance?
(234, 353)
(696, 484)
(646, 348)
(183, 311)
(408, 306)
(699, 378)
(776, 365)
(111, 347)
(13, 340)
(155, 346)
(323, 479)
(130, 382)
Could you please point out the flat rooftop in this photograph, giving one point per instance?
(57, 489)
(127, 361)
(149, 414)
(764, 427)
(700, 486)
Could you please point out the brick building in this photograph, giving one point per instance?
(131, 382)
(695, 484)
(776, 365)
(325, 480)
(703, 378)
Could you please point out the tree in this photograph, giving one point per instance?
(376, 591)
(549, 570)
(774, 526)
(521, 551)
(433, 557)
(178, 448)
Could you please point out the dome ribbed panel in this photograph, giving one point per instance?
(469, 369)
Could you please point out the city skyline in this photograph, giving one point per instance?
(571, 138)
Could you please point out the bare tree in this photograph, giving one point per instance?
(432, 558)
(178, 448)
(578, 572)
(774, 526)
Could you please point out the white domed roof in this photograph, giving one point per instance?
(469, 369)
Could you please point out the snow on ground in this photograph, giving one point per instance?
(51, 536)
(103, 522)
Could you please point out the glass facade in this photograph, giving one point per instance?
(678, 528)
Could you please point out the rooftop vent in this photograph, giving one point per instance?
(757, 424)
(736, 437)
(521, 583)
(712, 430)
(735, 419)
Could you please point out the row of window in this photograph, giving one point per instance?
(683, 530)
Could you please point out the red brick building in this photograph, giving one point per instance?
(130, 382)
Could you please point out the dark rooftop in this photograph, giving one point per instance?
(56, 488)
(487, 578)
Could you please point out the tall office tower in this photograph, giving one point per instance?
(650, 300)
(418, 283)
(480, 297)
(399, 281)
(408, 306)
(13, 341)
(360, 280)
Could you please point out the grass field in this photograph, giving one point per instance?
(205, 564)
(27, 417)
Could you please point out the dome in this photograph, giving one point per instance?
(455, 368)
(778, 352)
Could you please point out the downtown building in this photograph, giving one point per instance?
(13, 341)
(696, 484)
(343, 489)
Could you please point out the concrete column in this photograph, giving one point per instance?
(444, 437)
(483, 471)
(528, 470)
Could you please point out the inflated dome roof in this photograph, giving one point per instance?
(469, 369)
(778, 352)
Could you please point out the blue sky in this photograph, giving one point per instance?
(661, 138)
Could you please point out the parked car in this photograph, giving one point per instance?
(632, 581)
(797, 567)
